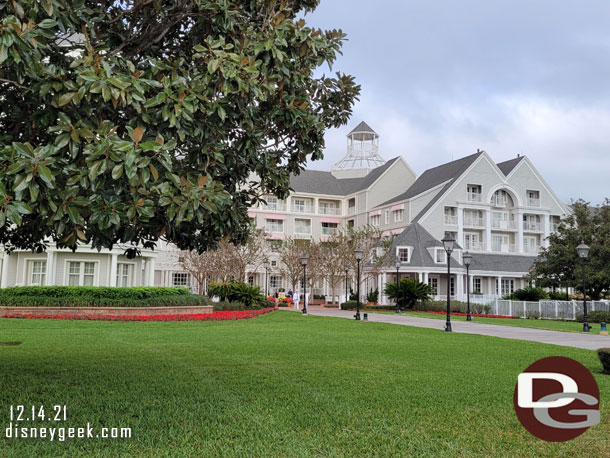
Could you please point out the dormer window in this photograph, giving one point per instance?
(404, 254)
(441, 256)
(533, 198)
(474, 193)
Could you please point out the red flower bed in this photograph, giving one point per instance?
(214, 316)
(465, 314)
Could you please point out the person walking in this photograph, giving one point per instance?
(295, 300)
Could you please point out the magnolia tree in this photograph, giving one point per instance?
(130, 121)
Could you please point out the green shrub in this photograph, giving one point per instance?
(598, 316)
(353, 296)
(96, 292)
(559, 296)
(532, 294)
(604, 357)
(456, 307)
(532, 315)
(235, 291)
(373, 296)
(88, 301)
(408, 292)
(349, 305)
(228, 306)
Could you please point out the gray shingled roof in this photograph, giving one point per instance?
(363, 127)
(507, 166)
(501, 262)
(319, 182)
(420, 239)
(436, 176)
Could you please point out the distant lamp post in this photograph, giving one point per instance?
(347, 266)
(359, 254)
(448, 243)
(266, 264)
(467, 258)
(304, 261)
(583, 253)
(397, 264)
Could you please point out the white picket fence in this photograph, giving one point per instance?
(546, 309)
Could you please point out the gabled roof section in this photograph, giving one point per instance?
(420, 239)
(364, 128)
(507, 166)
(501, 263)
(431, 178)
(319, 182)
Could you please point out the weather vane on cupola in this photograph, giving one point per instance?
(362, 150)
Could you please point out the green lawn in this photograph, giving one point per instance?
(279, 385)
(570, 326)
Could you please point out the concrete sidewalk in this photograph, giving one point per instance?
(566, 339)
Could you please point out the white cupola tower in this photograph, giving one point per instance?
(362, 153)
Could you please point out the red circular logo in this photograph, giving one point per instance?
(557, 399)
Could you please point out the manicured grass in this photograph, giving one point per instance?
(279, 385)
(569, 326)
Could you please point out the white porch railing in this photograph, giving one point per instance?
(450, 220)
(473, 222)
(474, 197)
(546, 309)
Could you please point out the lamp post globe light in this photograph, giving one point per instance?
(347, 266)
(266, 264)
(397, 264)
(467, 258)
(583, 253)
(448, 243)
(304, 261)
(359, 254)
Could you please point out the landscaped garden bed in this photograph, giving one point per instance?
(213, 316)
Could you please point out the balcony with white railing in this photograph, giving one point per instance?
(475, 246)
(273, 206)
(504, 225)
(473, 222)
(504, 247)
(531, 249)
(307, 208)
(474, 197)
(450, 220)
(498, 201)
(329, 230)
(329, 211)
(532, 226)
(533, 202)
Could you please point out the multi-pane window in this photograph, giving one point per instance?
(274, 225)
(38, 272)
(181, 279)
(81, 273)
(273, 203)
(472, 241)
(508, 287)
(387, 216)
(500, 198)
(530, 244)
(302, 205)
(403, 254)
(399, 215)
(473, 218)
(328, 208)
(476, 285)
(275, 281)
(375, 220)
(441, 256)
(329, 228)
(124, 273)
(452, 286)
(250, 280)
(500, 243)
(533, 198)
(302, 226)
(474, 192)
(450, 215)
(433, 283)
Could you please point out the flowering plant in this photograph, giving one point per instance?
(214, 316)
(484, 315)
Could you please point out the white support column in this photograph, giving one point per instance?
(547, 229)
(520, 231)
(384, 280)
(488, 230)
(113, 269)
(50, 274)
(460, 226)
(490, 287)
(425, 277)
(4, 278)
(500, 286)
(459, 283)
(151, 272)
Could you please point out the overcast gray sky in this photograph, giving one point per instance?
(442, 78)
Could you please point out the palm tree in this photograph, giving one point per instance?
(408, 292)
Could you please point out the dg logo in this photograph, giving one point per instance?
(557, 399)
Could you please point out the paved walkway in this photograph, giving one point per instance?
(566, 339)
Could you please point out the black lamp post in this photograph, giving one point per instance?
(448, 243)
(467, 258)
(266, 264)
(583, 253)
(359, 255)
(347, 266)
(304, 261)
(397, 264)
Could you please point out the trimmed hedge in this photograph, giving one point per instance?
(597, 316)
(99, 292)
(238, 306)
(91, 296)
(351, 305)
